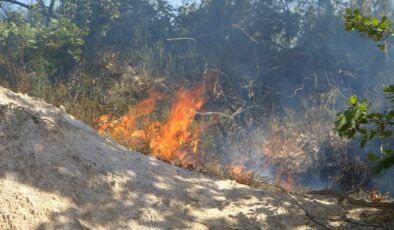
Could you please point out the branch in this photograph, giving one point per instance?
(17, 3)
(382, 122)
(246, 33)
(184, 38)
(4, 11)
(229, 116)
(43, 8)
(310, 217)
(50, 9)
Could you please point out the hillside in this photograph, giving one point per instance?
(58, 173)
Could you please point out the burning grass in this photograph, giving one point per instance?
(176, 139)
(286, 151)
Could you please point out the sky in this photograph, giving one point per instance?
(179, 2)
(175, 2)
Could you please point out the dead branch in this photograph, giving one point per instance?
(310, 217)
(226, 115)
(246, 33)
(183, 38)
(352, 200)
(364, 224)
(195, 221)
(35, 118)
(296, 91)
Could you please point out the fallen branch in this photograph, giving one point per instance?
(310, 217)
(352, 200)
(365, 224)
(36, 119)
(195, 221)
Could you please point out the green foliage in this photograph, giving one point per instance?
(78, 54)
(16, 39)
(357, 119)
(43, 48)
(371, 27)
(62, 34)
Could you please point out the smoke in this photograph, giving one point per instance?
(285, 70)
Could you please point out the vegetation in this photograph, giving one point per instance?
(358, 119)
(283, 68)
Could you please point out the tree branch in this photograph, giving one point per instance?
(17, 3)
(183, 38)
(50, 9)
(229, 116)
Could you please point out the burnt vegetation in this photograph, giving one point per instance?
(240, 88)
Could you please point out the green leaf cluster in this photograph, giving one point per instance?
(27, 43)
(358, 120)
(371, 27)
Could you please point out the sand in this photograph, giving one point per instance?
(58, 173)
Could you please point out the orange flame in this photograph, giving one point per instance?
(288, 183)
(174, 140)
(177, 138)
(279, 149)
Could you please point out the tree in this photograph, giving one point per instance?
(357, 119)
(37, 40)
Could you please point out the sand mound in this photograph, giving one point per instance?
(58, 173)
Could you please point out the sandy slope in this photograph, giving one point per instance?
(57, 173)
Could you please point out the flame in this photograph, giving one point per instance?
(288, 182)
(124, 130)
(178, 139)
(240, 173)
(175, 140)
(286, 152)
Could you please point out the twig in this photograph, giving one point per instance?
(246, 33)
(364, 224)
(296, 91)
(229, 116)
(34, 117)
(183, 38)
(312, 218)
(195, 221)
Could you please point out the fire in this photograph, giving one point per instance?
(289, 182)
(286, 152)
(240, 173)
(178, 139)
(124, 130)
(174, 140)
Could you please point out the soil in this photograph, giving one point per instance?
(58, 173)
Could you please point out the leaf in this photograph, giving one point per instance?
(382, 164)
(372, 157)
(387, 152)
(382, 47)
(387, 133)
(363, 106)
(374, 22)
(353, 100)
(390, 115)
(363, 141)
(363, 131)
